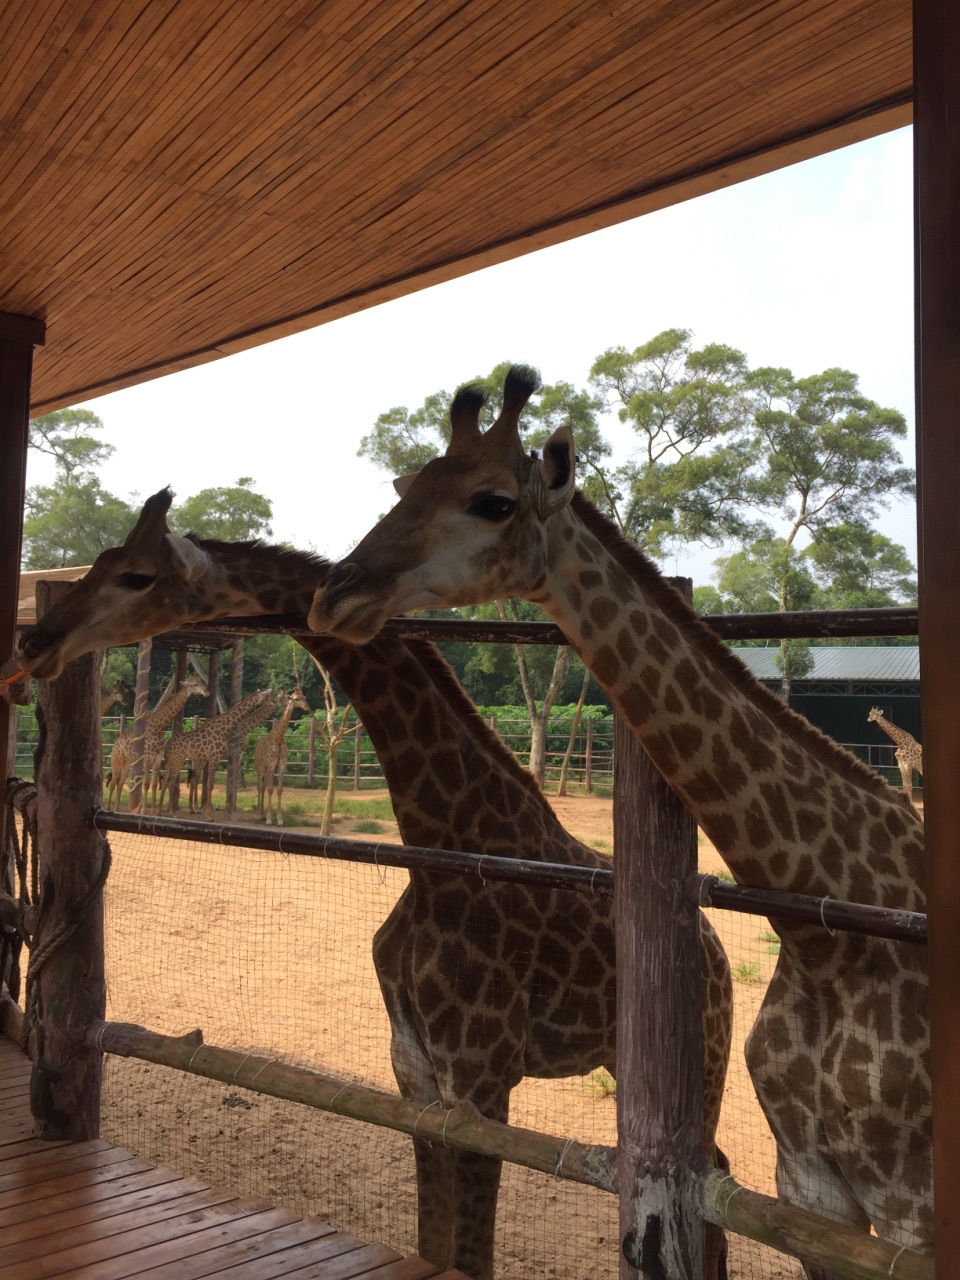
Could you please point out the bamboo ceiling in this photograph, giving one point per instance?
(183, 180)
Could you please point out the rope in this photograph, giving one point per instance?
(40, 953)
(18, 874)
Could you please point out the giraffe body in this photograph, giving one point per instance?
(270, 761)
(909, 752)
(483, 982)
(206, 746)
(839, 1054)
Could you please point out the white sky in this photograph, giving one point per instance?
(809, 267)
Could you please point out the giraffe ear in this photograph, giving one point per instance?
(557, 472)
(403, 483)
(191, 561)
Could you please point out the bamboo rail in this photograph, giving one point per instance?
(461, 1125)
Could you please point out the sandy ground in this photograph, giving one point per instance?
(272, 954)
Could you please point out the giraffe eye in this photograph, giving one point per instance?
(492, 506)
(136, 581)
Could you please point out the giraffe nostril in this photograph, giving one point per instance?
(341, 576)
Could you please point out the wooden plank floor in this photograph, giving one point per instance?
(95, 1211)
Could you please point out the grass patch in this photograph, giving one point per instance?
(368, 828)
(724, 875)
(769, 936)
(747, 971)
(377, 807)
(601, 1084)
(774, 948)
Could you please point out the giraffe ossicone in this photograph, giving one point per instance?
(839, 1054)
(469, 1016)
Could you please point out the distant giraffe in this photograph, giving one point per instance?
(208, 745)
(840, 1053)
(121, 757)
(270, 760)
(909, 752)
(453, 784)
(116, 693)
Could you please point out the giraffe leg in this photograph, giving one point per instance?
(280, 798)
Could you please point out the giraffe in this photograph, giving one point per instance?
(121, 757)
(909, 752)
(839, 1054)
(116, 693)
(454, 785)
(208, 745)
(270, 759)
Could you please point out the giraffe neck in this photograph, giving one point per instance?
(161, 716)
(251, 578)
(453, 783)
(769, 789)
(898, 735)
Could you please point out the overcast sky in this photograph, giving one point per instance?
(808, 267)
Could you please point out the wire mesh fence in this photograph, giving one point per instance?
(271, 954)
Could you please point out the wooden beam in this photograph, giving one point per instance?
(65, 1086)
(937, 226)
(18, 335)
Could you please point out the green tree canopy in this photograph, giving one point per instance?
(232, 513)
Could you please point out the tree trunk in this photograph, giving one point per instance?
(331, 789)
(568, 754)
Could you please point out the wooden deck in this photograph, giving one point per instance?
(95, 1211)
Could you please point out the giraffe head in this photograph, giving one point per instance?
(131, 592)
(297, 701)
(875, 713)
(471, 526)
(196, 685)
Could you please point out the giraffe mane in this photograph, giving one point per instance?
(680, 613)
(291, 556)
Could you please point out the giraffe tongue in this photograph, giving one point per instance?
(17, 675)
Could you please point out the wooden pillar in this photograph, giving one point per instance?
(659, 1030)
(176, 724)
(237, 741)
(937, 266)
(18, 336)
(141, 697)
(356, 756)
(311, 751)
(213, 678)
(65, 1085)
(588, 759)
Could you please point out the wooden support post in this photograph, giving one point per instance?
(659, 1028)
(356, 756)
(65, 1085)
(141, 697)
(588, 760)
(936, 134)
(18, 336)
(311, 751)
(176, 724)
(237, 741)
(213, 678)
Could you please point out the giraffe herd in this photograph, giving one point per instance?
(839, 1052)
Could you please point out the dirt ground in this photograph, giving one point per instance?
(271, 954)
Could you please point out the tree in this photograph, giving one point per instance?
(331, 732)
(824, 455)
(857, 568)
(72, 520)
(232, 513)
(688, 409)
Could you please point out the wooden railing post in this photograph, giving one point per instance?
(659, 1029)
(237, 740)
(69, 993)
